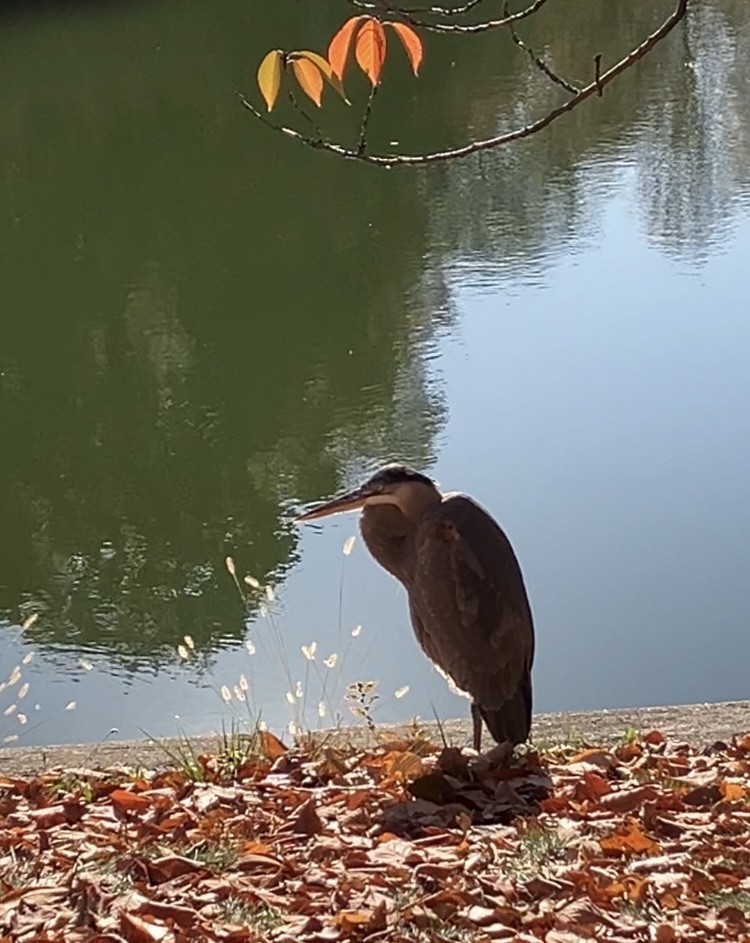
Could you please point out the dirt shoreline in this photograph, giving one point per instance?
(698, 724)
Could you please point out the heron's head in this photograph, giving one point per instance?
(396, 485)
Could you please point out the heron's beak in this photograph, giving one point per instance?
(350, 501)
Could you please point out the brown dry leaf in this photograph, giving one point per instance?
(554, 804)
(567, 936)
(257, 848)
(630, 887)
(732, 790)
(626, 800)
(253, 862)
(170, 867)
(182, 916)
(307, 821)
(480, 916)
(170, 779)
(172, 822)
(332, 764)
(629, 751)
(665, 933)
(578, 914)
(594, 756)
(668, 901)
(595, 786)
(703, 795)
(433, 787)
(403, 766)
(49, 817)
(125, 801)
(136, 930)
(356, 799)
(270, 746)
(361, 921)
(444, 904)
(733, 915)
(540, 887)
(40, 896)
(629, 838)
(453, 762)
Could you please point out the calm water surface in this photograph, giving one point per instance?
(204, 326)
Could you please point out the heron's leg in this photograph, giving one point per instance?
(476, 717)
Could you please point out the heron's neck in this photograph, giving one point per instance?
(387, 534)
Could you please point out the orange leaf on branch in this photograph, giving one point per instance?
(338, 48)
(310, 68)
(370, 49)
(309, 78)
(411, 42)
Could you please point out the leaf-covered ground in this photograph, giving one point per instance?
(649, 841)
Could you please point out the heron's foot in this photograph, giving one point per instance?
(498, 757)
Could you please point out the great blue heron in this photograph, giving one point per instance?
(467, 599)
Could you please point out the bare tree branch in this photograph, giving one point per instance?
(444, 11)
(413, 160)
(539, 63)
(455, 28)
(420, 11)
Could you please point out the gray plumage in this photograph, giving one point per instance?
(467, 599)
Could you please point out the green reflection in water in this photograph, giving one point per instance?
(200, 324)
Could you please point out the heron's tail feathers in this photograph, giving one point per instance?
(512, 720)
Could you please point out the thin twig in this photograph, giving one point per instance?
(444, 11)
(362, 143)
(540, 63)
(598, 73)
(420, 11)
(483, 27)
(300, 110)
(456, 28)
(412, 160)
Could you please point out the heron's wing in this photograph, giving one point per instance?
(468, 601)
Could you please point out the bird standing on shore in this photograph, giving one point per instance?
(467, 599)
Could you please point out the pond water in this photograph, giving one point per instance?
(205, 325)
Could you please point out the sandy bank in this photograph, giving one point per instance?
(700, 724)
